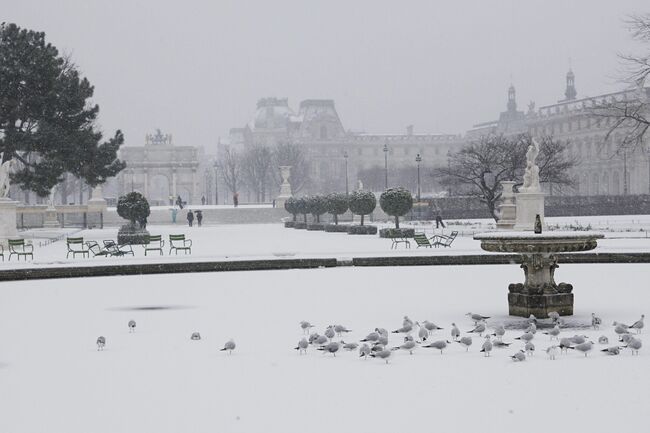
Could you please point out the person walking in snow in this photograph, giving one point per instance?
(199, 217)
(190, 217)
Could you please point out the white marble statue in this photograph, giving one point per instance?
(6, 169)
(50, 200)
(359, 185)
(531, 175)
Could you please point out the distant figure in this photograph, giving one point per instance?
(436, 210)
(199, 217)
(203, 200)
(179, 202)
(190, 217)
(274, 203)
(235, 199)
(174, 214)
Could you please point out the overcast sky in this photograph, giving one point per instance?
(196, 68)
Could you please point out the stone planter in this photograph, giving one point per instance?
(289, 224)
(337, 228)
(316, 227)
(362, 230)
(300, 226)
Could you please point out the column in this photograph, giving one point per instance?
(174, 180)
(146, 184)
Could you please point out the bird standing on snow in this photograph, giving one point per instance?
(527, 336)
(603, 340)
(340, 329)
(578, 339)
(479, 329)
(306, 326)
(565, 344)
(332, 348)
(372, 337)
(229, 346)
(614, 350)
(329, 332)
(466, 342)
(634, 345)
(195, 336)
(620, 329)
(529, 348)
(409, 345)
(302, 346)
(382, 354)
(638, 325)
(584, 347)
(364, 351)
(487, 346)
(477, 317)
(554, 316)
(500, 344)
(553, 333)
(499, 332)
(131, 325)
(423, 333)
(595, 321)
(431, 326)
(440, 345)
(532, 319)
(519, 356)
(532, 328)
(407, 321)
(320, 340)
(455, 332)
(552, 351)
(101, 342)
(406, 329)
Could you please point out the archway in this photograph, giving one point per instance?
(159, 190)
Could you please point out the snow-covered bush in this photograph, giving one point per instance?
(290, 206)
(396, 202)
(133, 207)
(337, 204)
(362, 203)
(317, 205)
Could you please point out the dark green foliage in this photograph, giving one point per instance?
(337, 204)
(302, 207)
(290, 206)
(315, 227)
(396, 202)
(133, 207)
(396, 233)
(362, 230)
(362, 203)
(47, 121)
(131, 234)
(317, 206)
(337, 228)
(289, 224)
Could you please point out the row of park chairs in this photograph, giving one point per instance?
(110, 248)
(18, 248)
(422, 240)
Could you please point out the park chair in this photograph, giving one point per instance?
(117, 250)
(402, 240)
(2, 252)
(20, 248)
(178, 242)
(153, 243)
(76, 246)
(422, 240)
(444, 241)
(96, 250)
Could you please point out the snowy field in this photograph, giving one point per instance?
(53, 379)
(250, 241)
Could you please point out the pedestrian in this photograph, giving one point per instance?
(203, 200)
(199, 217)
(179, 201)
(439, 221)
(174, 214)
(190, 217)
(235, 199)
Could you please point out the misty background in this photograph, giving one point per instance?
(197, 69)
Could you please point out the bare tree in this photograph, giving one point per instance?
(291, 154)
(479, 167)
(229, 166)
(256, 167)
(629, 113)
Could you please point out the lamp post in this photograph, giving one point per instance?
(418, 160)
(216, 184)
(345, 156)
(449, 171)
(386, 165)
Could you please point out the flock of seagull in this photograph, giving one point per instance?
(376, 344)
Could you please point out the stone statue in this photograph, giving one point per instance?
(359, 185)
(6, 169)
(50, 200)
(531, 175)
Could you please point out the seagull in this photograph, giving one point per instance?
(625, 338)
(313, 337)
(578, 339)
(584, 347)
(499, 332)
(477, 317)
(455, 332)
(532, 319)
(565, 344)
(440, 345)
(634, 345)
(101, 342)
(431, 326)
(320, 340)
(302, 346)
(423, 333)
(500, 344)
(383, 340)
(466, 342)
(349, 346)
(409, 345)
(229, 346)
(614, 350)
(406, 329)
(554, 316)
(553, 333)
(372, 337)
(383, 354)
(407, 321)
(487, 346)
(364, 351)
(532, 328)
(131, 325)
(603, 340)
(329, 332)
(479, 329)
(382, 331)
(195, 336)
(552, 351)
(525, 337)
(529, 348)
(638, 325)
(377, 348)
(519, 356)
(340, 329)
(331, 347)
(596, 321)
(621, 329)
(305, 326)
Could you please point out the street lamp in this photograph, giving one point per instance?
(345, 156)
(386, 165)
(418, 160)
(216, 184)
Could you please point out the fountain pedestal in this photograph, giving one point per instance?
(539, 293)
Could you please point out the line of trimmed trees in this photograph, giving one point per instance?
(395, 202)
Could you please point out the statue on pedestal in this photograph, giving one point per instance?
(6, 169)
(531, 176)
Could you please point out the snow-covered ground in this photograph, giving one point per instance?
(250, 241)
(52, 378)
